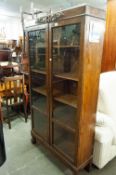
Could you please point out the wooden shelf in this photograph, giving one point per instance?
(66, 46)
(41, 89)
(25, 73)
(43, 54)
(38, 71)
(42, 47)
(3, 50)
(68, 99)
(68, 76)
(64, 126)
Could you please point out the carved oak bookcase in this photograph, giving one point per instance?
(65, 62)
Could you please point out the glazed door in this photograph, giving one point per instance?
(65, 62)
(39, 79)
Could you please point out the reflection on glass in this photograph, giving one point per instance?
(38, 82)
(67, 35)
(37, 50)
(38, 91)
(37, 54)
(64, 141)
(66, 55)
(41, 124)
(66, 49)
(65, 91)
(39, 101)
(65, 114)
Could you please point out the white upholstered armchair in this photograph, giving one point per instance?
(105, 129)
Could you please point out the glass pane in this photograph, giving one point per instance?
(37, 49)
(66, 50)
(65, 114)
(41, 124)
(64, 141)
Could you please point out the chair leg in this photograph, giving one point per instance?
(89, 166)
(9, 123)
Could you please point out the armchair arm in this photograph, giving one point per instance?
(103, 119)
(103, 134)
(105, 128)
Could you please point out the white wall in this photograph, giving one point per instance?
(10, 27)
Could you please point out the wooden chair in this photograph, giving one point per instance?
(14, 96)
